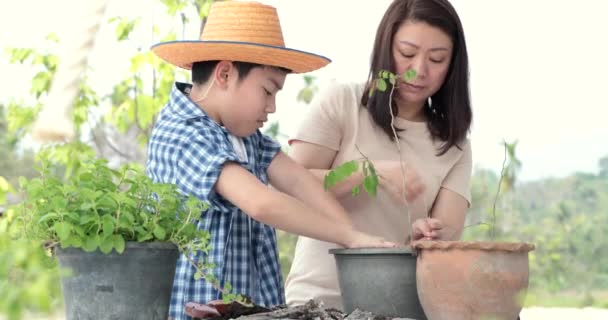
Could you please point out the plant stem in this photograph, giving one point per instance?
(402, 161)
(204, 275)
(502, 174)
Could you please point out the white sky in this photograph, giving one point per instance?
(539, 68)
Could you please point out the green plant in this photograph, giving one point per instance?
(345, 170)
(29, 277)
(100, 208)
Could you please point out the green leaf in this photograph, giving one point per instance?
(119, 243)
(370, 185)
(86, 206)
(355, 191)
(108, 226)
(106, 245)
(75, 241)
(90, 244)
(144, 237)
(48, 216)
(381, 85)
(79, 231)
(160, 233)
(63, 230)
(227, 298)
(409, 75)
(340, 173)
(129, 216)
(84, 219)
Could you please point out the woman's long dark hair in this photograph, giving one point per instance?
(452, 120)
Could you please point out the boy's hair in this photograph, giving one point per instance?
(201, 71)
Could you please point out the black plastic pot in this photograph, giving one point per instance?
(379, 280)
(133, 285)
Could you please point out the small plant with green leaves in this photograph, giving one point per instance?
(370, 181)
(370, 176)
(29, 278)
(100, 208)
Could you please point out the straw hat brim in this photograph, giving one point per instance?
(184, 53)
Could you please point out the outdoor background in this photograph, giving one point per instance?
(538, 77)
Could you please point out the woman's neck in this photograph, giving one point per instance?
(411, 111)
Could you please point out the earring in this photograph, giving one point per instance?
(429, 103)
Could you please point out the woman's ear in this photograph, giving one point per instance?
(224, 73)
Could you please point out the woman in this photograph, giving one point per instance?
(431, 114)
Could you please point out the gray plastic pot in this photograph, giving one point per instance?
(379, 280)
(129, 286)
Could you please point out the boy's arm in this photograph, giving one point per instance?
(288, 176)
(282, 211)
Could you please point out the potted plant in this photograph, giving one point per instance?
(478, 279)
(116, 232)
(452, 279)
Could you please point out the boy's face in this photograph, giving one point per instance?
(251, 99)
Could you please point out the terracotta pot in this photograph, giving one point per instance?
(471, 280)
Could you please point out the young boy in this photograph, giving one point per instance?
(207, 141)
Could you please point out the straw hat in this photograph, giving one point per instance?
(240, 31)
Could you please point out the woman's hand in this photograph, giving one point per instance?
(426, 229)
(391, 179)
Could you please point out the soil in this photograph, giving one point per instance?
(312, 310)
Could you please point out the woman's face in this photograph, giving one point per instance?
(425, 49)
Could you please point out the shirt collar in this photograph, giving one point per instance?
(181, 105)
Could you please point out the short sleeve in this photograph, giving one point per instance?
(269, 149)
(323, 124)
(458, 178)
(199, 166)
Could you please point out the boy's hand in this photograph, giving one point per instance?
(364, 240)
(426, 229)
(391, 179)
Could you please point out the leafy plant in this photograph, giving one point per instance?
(100, 208)
(370, 176)
(345, 170)
(29, 277)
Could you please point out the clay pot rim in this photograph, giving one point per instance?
(473, 245)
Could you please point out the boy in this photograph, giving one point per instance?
(207, 142)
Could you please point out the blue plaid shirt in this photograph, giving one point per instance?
(188, 148)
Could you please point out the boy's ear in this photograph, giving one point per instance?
(224, 71)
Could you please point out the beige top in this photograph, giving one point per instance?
(339, 122)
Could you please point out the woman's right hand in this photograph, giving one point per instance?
(391, 179)
(426, 229)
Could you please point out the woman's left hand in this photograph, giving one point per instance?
(426, 229)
